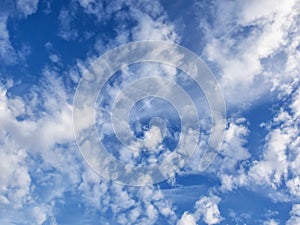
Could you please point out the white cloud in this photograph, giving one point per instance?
(294, 215)
(16, 186)
(274, 167)
(294, 186)
(38, 154)
(229, 164)
(7, 53)
(15, 180)
(270, 222)
(49, 123)
(93, 7)
(27, 7)
(129, 205)
(281, 154)
(39, 215)
(153, 137)
(271, 30)
(152, 29)
(233, 148)
(207, 209)
(187, 219)
(27, 136)
(66, 30)
(279, 163)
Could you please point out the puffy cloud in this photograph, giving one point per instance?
(15, 180)
(229, 164)
(39, 215)
(16, 187)
(270, 222)
(279, 163)
(294, 215)
(207, 209)
(15, 9)
(93, 7)
(37, 148)
(47, 165)
(7, 52)
(153, 137)
(29, 148)
(233, 148)
(66, 31)
(149, 28)
(27, 7)
(259, 35)
(274, 167)
(129, 205)
(187, 219)
(281, 154)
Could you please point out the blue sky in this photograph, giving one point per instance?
(251, 47)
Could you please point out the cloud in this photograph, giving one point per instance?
(129, 205)
(13, 10)
(29, 147)
(235, 139)
(7, 52)
(241, 55)
(15, 181)
(270, 222)
(39, 162)
(187, 219)
(66, 29)
(45, 162)
(149, 28)
(94, 7)
(278, 166)
(281, 151)
(206, 210)
(27, 7)
(258, 57)
(294, 215)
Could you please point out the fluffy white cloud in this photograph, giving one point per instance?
(15, 180)
(229, 164)
(234, 141)
(187, 219)
(270, 222)
(130, 205)
(149, 28)
(279, 163)
(262, 32)
(206, 210)
(66, 31)
(28, 148)
(37, 137)
(27, 7)
(7, 53)
(281, 154)
(294, 215)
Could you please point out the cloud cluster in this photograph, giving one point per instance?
(39, 161)
(246, 56)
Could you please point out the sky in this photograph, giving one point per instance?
(95, 96)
